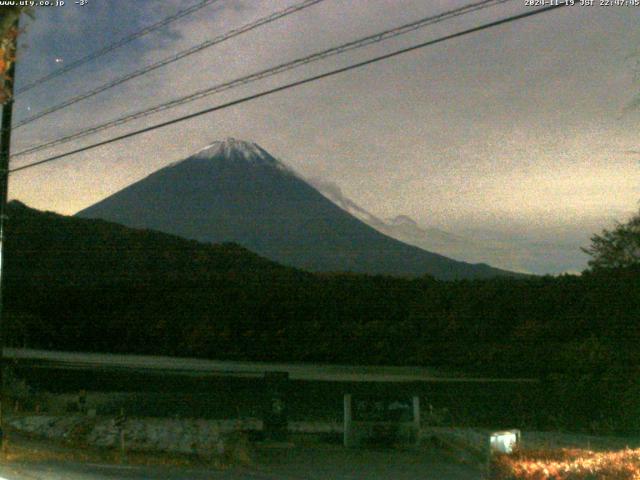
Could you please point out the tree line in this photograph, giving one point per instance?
(89, 285)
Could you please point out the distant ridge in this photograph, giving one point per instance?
(235, 191)
(502, 254)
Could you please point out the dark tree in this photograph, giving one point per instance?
(616, 248)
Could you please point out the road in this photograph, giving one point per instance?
(194, 366)
(297, 463)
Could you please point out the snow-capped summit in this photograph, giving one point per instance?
(235, 191)
(239, 150)
(230, 147)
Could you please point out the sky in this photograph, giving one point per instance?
(520, 133)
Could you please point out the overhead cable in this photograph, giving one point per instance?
(262, 74)
(297, 83)
(166, 61)
(113, 46)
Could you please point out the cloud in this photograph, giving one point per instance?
(333, 192)
(486, 131)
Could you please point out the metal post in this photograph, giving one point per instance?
(416, 417)
(5, 149)
(347, 423)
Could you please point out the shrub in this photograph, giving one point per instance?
(566, 464)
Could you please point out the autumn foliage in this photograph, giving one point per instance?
(8, 34)
(567, 464)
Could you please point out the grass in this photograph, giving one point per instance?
(567, 464)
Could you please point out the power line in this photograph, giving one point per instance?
(180, 55)
(109, 48)
(287, 86)
(362, 42)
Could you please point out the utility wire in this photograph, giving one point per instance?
(174, 58)
(119, 43)
(362, 42)
(287, 86)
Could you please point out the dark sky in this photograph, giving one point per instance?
(517, 133)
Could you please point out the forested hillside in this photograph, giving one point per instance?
(91, 285)
(88, 285)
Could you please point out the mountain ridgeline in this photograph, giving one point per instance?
(234, 191)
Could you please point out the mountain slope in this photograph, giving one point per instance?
(234, 191)
(405, 229)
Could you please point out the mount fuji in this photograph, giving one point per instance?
(235, 191)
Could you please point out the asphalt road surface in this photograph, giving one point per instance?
(297, 463)
(193, 366)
